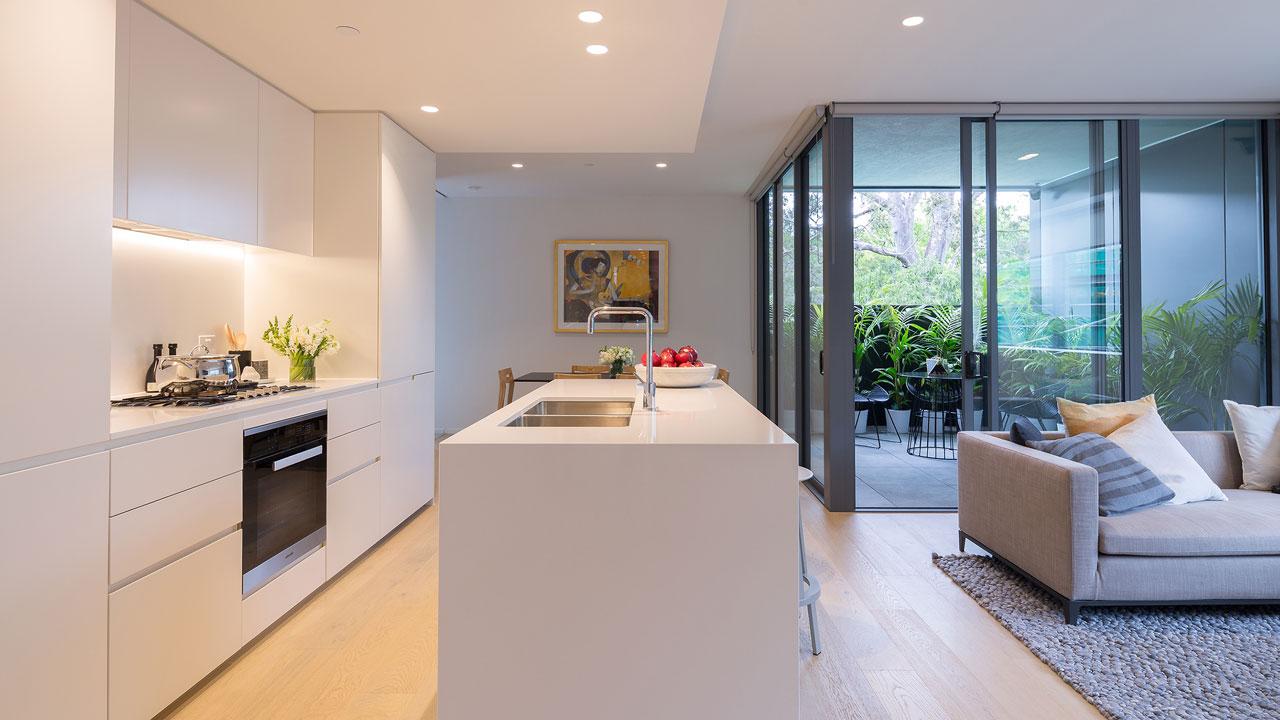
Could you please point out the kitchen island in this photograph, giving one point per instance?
(602, 561)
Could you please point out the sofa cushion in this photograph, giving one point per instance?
(1124, 484)
(1102, 418)
(1022, 432)
(1153, 444)
(1257, 432)
(1248, 525)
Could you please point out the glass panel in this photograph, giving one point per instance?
(770, 339)
(787, 303)
(816, 306)
(1058, 265)
(978, 175)
(1201, 268)
(907, 291)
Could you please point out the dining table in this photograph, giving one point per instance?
(536, 377)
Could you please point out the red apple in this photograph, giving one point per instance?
(687, 364)
(683, 357)
(691, 350)
(668, 357)
(697, 363)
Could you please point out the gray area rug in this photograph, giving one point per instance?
(1144, 662)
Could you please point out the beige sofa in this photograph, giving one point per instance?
(1039, 514)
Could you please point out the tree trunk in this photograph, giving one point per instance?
(944, 227)
(902, 213)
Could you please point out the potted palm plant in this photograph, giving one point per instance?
(903, 354)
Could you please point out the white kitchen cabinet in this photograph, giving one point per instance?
(407, 267)
(408, 448)
(147, 471)
(272, 601)
(353, 411)
(192, 161)
(55, 265)
(53, 602)
(353, 517)
(172, 627)
(352, 451)
(286, 171)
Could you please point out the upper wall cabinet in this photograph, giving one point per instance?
(286, 172)
(193, 134)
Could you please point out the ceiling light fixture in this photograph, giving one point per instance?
(1029, 156)
(590, 16)
(912, 21)
(597, 49)
(517, 165)
(429, 109)
(347, 30)
(660, 165)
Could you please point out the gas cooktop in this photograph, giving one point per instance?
(204, 399)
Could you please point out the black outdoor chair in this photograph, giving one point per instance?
(935, 418)
(875, 398)
(1041, 408)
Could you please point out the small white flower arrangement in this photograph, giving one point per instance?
(617, 357)
(301, 344)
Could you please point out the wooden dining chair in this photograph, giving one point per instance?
(506, 387)
(722, 375)
(589, 369)
(580, 376)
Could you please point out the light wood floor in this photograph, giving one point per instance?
(901, 641)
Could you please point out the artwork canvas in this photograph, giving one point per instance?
(598, 273)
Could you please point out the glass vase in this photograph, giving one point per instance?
(616, 369)
(302, 370)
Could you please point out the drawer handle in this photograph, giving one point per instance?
(296, 458)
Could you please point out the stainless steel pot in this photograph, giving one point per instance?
(216, 370)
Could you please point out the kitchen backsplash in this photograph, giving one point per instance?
(165, 290)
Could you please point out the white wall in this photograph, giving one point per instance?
(494, 286)
(167, 290)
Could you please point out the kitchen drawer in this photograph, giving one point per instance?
(275, 416)
(354, 411)
(350, 451)
(147, 471)
(148, 535)
(273, 600)
(353, 517)
(171, 628)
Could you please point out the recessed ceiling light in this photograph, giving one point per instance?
(597, 49)
(660, 165)
(912, 21)
(1028, 156)
(347, 30)
(590, 16)
(517, 165)
(429, 109)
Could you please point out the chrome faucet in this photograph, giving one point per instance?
(650, 390)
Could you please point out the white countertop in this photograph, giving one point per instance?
(130, 422)
(709, 415)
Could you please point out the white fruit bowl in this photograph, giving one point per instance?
(678, 377)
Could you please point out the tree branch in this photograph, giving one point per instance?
(861, 245)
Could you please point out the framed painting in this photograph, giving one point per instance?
(598, 273)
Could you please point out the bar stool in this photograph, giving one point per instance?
(810, 588)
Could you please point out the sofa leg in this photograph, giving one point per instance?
(962, 539)
(1071, 611)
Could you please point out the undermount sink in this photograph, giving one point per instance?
(576, 413)
(582, 407)
(571, 421)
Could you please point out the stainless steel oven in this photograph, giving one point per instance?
(284, 496)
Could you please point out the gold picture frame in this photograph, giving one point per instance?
(593, 273)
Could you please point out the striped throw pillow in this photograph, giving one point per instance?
(1124, 484)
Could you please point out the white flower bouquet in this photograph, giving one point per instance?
(302, 344)
(617, 357)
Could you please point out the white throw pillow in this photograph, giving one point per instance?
(1257, 432)
(1151, 443)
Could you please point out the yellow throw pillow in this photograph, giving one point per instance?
(1104, 418)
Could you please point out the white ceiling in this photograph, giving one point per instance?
(515, 85)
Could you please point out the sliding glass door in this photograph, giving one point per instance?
(928, 274)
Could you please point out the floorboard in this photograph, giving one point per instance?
(900, 640)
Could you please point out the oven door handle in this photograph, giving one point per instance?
(296, 458)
